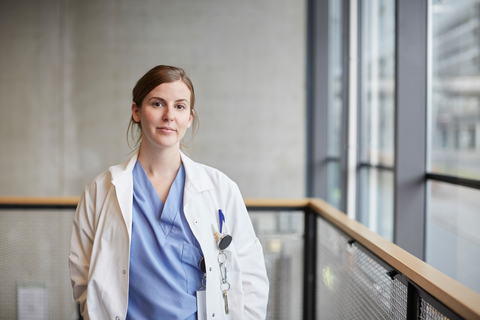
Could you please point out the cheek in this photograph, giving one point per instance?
(188, 123)
(149, 116)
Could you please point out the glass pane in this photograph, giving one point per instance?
(376, 201)
(453, 241)
(335, 74)
(378, 81)
(455, 99)
(335, 102)
(334, 196)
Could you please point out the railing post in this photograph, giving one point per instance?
(309, 265)
(413, 302)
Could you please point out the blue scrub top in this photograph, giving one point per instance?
(164, 254)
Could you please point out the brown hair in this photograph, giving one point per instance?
(150, 80)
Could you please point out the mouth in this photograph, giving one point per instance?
(166, 129)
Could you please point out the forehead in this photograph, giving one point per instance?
(171, 91)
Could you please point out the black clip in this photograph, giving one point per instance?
(352, 241)
(392, 274)
(202, 266)
(224, 241)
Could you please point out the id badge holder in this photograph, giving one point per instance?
(202, 304)
(202, 295)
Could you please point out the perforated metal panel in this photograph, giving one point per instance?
(281, 235)
(428, 312)
(34, 276)
(352, 285)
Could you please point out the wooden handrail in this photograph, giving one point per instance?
(460, 299)
(39, 201)
(72, 201)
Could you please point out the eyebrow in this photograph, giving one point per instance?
(178, 100)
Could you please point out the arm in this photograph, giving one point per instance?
(250, 257)
(81, 250)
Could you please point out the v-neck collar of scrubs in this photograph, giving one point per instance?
(166, 213)
(164, 254)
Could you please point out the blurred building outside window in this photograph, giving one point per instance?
(453, 214)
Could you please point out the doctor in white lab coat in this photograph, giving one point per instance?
(99, 258)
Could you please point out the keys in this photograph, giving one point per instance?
(224, 286)
(226, 301)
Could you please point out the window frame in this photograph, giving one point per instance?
(411, 176)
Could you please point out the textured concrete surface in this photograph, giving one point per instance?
(68, 68)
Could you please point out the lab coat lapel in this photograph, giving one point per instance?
(196, 179)
(122, 179)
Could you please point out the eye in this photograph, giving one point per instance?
(157, 104)
(180, 106)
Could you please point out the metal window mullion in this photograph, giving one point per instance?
(317, 98)
(469, 183)
(378, 166)
(410, 125)
(345, 86)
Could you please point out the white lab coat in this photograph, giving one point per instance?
(100, 245)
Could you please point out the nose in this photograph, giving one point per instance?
(168, 115)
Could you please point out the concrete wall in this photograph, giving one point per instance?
(67, 69)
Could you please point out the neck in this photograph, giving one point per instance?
(159, 162)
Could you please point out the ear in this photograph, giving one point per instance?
(190, 120)
(135, 112)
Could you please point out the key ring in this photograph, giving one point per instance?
(222, 257)
(225, 286)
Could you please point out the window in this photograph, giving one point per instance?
(335, 103)
(377, 88)
(404, 141)
(453, 215)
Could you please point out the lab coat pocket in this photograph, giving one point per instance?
(191, 256)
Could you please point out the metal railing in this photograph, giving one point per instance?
(346, 271)
(353, 273)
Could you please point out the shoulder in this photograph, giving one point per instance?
(203, 177)
(216, 175)
(98, 187)
(201, 171)
(102, 179)
(114, 175)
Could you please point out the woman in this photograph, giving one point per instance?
(142, 228)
